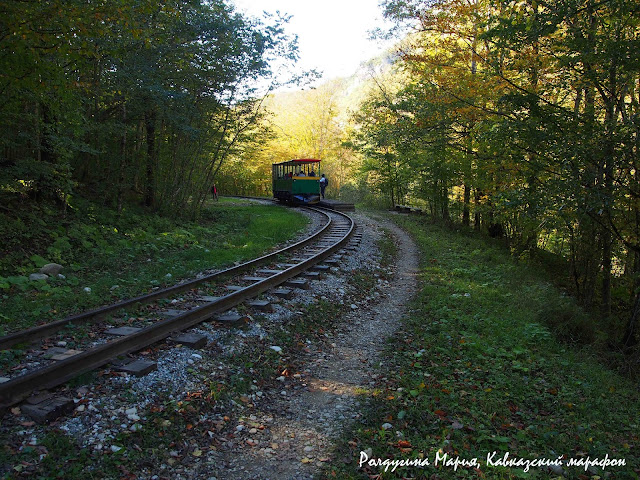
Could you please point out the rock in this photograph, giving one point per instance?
(37, 277)
(51, 269)
(386, 426)
(556, 469)
(115, 448)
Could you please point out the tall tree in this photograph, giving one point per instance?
(124, 96)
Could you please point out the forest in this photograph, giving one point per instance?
(129, 101)
(518, 119)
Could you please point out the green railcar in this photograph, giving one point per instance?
(297, 181)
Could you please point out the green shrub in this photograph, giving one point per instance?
(568, 321)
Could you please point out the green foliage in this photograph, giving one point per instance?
(303, 124)
(388, 248)
(127, 99)
(120, 256)
(517, 118)
(569, 322)
(472, 371)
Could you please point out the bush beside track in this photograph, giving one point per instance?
(109, 257)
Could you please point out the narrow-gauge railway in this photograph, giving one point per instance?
(49, 329)
(283, 265)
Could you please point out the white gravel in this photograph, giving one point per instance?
(300, 417)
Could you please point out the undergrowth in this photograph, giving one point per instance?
(107, 257)
(474, 374)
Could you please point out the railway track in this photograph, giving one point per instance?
(204, 299)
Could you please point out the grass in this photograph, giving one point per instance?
(388, 248)
(183, 425)
(474, 371)
(109, 257)
(228, 232)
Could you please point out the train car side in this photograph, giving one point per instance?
(295, 181)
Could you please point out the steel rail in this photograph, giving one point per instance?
(21, 387)
(47, 329)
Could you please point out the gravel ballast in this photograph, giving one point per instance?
(284, 427)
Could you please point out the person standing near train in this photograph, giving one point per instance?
(323, 184)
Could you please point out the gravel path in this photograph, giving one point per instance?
(282, 428)
(300, 427)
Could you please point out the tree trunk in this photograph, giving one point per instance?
(606, 273)
(630, 338)
(476, 215)
(608, 168)
(466, 212)
(150, 124)
(123, 159)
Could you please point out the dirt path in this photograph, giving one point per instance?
(300, 424)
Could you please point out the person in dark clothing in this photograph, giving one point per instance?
(214, 192)
(323, 184)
